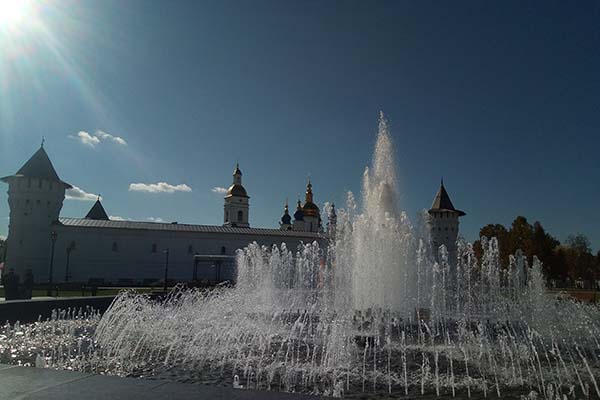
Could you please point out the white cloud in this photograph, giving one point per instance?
(160, 187)
(117, 218)
(218, 189)
(79, 194)
(86, 138)
(2, 237)
(107, 136)
(155, 219)
(96, 138)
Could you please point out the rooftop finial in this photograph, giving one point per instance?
(442, 181)
(43, 140)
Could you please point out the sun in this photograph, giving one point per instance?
(14, 12)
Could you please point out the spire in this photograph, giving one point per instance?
(286, 219)
(38, 166)
(237, 175)
(309, 193)
(442, 201)
(299, 214)
(97, 212)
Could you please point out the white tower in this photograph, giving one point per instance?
(35, 198)
(443, 223)
(236, 202)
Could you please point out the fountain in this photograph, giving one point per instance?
(378, 310)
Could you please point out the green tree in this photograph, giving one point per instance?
(579, 259)
(543, 246)
(499, 232)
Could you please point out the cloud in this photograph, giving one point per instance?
(96, 138)
(219, 189)
(160, 187)
(107, 136)
(2, 237)
(79, 194)
(86, 138)
(155, 219)
(117, 218)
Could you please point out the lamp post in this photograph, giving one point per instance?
(53, 237)
(166, 268)
(195, 274)
(69, 250)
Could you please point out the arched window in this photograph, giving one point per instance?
(190, 249)
(115, 246)
(240, 216)
(153, 250)
(223, 250)
(226, 216)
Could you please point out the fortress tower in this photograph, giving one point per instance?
(35, 198)
(236, 202)
(443, 223)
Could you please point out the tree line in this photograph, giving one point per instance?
(570, 260)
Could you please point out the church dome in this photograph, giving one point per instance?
(299, 214)
(310, 209)
(236, 190)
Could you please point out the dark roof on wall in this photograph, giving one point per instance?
(97, 212)
(442, 202)
(38, 166)
(173, 227)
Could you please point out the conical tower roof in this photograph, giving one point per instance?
(38, 166)
(442, 202)
(97, 212)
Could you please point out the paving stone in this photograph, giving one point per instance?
(25, 383)
(19, 381)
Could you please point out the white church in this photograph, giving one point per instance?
(96, 248)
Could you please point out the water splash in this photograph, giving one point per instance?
(376, 309)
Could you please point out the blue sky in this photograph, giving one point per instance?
(502, 99)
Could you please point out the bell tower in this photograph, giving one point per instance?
(236, 206)
(35, 198)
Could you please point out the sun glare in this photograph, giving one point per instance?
(13, 12)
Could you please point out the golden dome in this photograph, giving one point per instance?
(236, 190)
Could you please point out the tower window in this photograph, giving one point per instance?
(153, 249)
(190, 249)
(115, 246)
(226, 216)
(223, 250)
(240, 216)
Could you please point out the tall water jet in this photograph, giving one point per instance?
(381, 262)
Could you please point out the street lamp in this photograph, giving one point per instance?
(69, 250)
(166, 268)
(53, 237)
